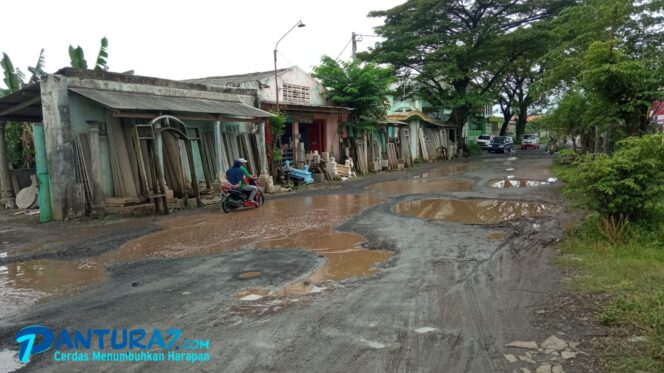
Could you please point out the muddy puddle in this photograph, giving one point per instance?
(248, 275)
(497, 236)
(451, 170)
(470, 211)
(517, 183)
(23, 284)
(305, 222)
(422, 185)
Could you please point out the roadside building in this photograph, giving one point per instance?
(314, 122)
(108, 140)
(427, 134)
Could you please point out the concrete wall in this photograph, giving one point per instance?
(332, 136)
(65, 114)
(295, 76)
(59, 141)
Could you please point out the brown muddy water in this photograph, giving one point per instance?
(423, 185)
(248, 275)
(497, 236)
(470, 211)
(517, 183)
(306, 222)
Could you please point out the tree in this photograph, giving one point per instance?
(603, 58)
(18, 136)
(361, 86)
(459, 50)
(517, 91)
(78, 61)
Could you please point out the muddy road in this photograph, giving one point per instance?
(434, 269)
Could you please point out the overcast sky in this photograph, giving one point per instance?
(186, 39)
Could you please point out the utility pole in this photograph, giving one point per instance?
(354, 41)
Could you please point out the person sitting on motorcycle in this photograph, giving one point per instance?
(235, 174)
(246, 180)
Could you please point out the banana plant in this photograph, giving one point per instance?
(102, 56)
(12, 76)
(38, 70)
(77, 57)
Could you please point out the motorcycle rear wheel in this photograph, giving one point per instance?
(225, 206)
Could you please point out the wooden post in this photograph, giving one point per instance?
(194, 182)
(160, 178)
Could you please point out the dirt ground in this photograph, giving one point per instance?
(434, 269)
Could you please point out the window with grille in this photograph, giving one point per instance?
(296, 93)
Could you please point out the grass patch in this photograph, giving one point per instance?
(625, 260)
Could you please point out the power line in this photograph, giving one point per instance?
(342, 51)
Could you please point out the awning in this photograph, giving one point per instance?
(143, 101)
(325, 109)
(23, 105)
(407, 115)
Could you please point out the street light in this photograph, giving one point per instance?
(276, 84)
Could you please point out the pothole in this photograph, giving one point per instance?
(470, 211)
(497, 236)
(300, 222)
(248, 275)
(510, 183)
(421, 185)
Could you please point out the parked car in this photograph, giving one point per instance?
(530, 141)
(484, 140)
(501, 144)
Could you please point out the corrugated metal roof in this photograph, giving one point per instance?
(22, 105)
(236, 79)
(405, 116)
(143, 101)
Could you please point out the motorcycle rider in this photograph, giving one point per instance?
(238, 174)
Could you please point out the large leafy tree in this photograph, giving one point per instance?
(458, 50)
(358, 85)
(517, 91)
(607, 56)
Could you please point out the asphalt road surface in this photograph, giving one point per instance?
(434, 269)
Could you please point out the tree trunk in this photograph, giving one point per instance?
(507, 116)
(521, 123)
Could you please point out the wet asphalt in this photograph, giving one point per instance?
(448, 298)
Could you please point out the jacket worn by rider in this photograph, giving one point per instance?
(235, 175)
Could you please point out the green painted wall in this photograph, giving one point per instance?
(81, 110)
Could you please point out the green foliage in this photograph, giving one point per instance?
(632, 271)
(11, 79)
(606, 55)
(277, 127)
(361, 86)
(278, 124)
(77, 57)
(38, 70)
(102, 56)
(459, 50)
(626, 184)
(567, 157)
(473, 149)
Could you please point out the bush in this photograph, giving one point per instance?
(627, 184)
(472, 149)
(567, 157)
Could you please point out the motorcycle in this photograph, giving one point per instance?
(233, 197)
